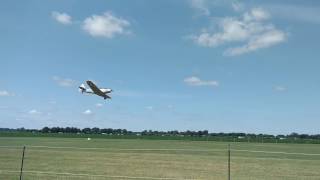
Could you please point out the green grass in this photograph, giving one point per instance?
(124, 158)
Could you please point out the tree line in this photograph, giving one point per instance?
(203, 133)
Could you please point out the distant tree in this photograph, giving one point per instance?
(304, 136)
(55, 129)
(45, 130)
(75, 130)
(280, 136)
(86, 130)
(67, 130)
(117, 131)
(316, 136)
(145, 132)
(95, 130)
(21, 129)
(104, 131)
(293, 135)
(205, 132)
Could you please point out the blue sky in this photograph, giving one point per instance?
(231, 66)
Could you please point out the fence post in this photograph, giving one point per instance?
(229, 177)
(24, 148)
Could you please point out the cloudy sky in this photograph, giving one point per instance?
(249, 66)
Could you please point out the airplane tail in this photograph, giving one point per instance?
(82, 88)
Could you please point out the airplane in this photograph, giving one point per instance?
(95, 90)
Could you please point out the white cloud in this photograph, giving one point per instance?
(256, 14)
(5, 93)
(251, 29)
(34, 112)
(195, 81)
(87, 112)
(99, 105)
(280, 88)
(106, 25)
(205, 7)
(237, 6)
(62, 18)
(265, 40)
(201, 6)
(64, 82)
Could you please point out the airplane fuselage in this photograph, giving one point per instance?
(99, 92)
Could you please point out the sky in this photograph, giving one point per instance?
(223, 66)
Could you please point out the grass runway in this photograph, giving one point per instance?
(99, 159)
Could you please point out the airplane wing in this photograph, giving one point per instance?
(94, 88)
(97, 91)
(106, 96)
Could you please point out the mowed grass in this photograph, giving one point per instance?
(98, 159)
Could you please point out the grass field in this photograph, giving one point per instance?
(97, 159)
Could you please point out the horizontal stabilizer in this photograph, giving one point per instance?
(82, 88)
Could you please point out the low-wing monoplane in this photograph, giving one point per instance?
(95, 90)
